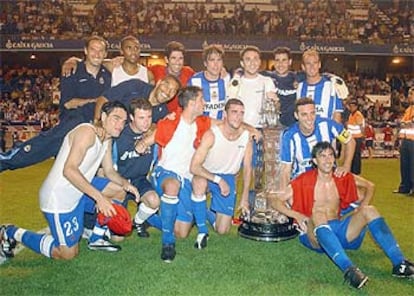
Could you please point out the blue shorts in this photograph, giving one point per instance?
(184, 209)
(339, 228)
(100, 184)
(223, 204)
(143, 186)
(67, 228)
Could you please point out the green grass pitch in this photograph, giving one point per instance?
(230, 265)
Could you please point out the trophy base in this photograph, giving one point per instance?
(260, 228)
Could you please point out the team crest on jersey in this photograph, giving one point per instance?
(27, 148)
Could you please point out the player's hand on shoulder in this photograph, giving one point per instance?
(69, 66)
(341, 171)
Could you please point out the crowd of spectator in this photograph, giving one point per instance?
(327, 20)
(27, 95)
(362, 85)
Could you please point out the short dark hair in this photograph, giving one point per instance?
(129, 37)
(282, 50)
(96, 38)
(110, 106)
(173, 78)
(322, 146)
(187, 94)
(139, 103)
(173, 46)
(232, 102)
(303, 101)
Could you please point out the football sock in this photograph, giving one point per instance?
(98, 232)
(143, 213)
(40, 243)
(332, 247)
(385, 239)
(199, 206)
(89, 219)
(211, 217)
(168, 215)
(155, 221)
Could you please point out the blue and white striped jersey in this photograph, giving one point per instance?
(296, 148)
(323, 94)
(214, 93)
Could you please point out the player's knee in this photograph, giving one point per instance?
(65, 253)
(199, 185)
(181, 233)
(222, 228)
(151, 199)
(369, 212)
(171, 186)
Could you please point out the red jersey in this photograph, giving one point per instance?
(166, 128)
(304, 189)
(160, 71)
(369, 132)
(388, 134)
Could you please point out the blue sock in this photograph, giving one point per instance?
(199, 206)
(211, 217)
(332, 246)
(98, 232)
(38, 242)
(168, 215)
(155, 221)
(384, 238)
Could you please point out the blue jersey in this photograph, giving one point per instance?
(296, 148)
(324, 95)
(82, 85)
(286, 91)
(214, 93)
(135, 89)
(131, 164)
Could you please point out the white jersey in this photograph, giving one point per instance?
(176, 155)
(57, 194)
(119, 75)
(225, 156)
(252, 92)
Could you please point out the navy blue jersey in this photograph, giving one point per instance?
(131, 164)
(135, 89)
(286, 91)
(83, 85)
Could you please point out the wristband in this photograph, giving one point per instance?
(217, 179)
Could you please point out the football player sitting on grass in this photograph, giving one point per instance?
(316, 200)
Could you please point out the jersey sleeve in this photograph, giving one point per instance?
(286, 149)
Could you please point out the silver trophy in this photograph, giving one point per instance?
(264, 223)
